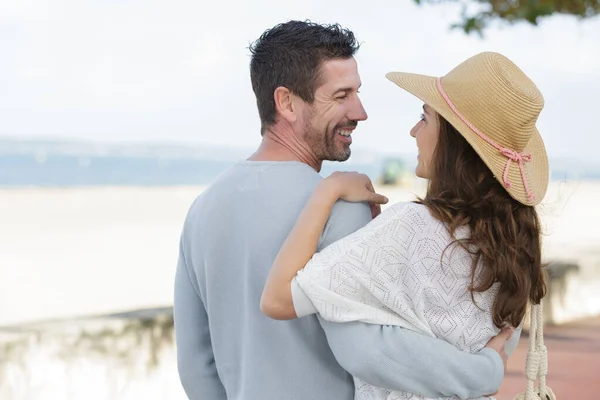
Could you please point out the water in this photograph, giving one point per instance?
(73, 170)
(56, 169)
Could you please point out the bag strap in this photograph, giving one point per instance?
(536, 366)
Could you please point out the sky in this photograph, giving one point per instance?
(177, 71)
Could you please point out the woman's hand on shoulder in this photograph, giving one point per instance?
(354, 187)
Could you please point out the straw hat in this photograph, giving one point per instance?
(495, 106)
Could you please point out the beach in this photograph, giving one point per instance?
(88, 250)
(73, 257)
(80, 251)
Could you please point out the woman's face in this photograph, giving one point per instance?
(426, 132)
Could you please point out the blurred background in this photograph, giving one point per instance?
(116, 114)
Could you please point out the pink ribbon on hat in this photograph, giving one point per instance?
(511, 155)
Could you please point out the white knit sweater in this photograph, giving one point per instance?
(399, 270)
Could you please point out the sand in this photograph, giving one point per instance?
(69, 252)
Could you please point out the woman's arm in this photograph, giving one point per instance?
(301, 243)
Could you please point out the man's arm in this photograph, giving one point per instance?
(195, 359)
(398, 359)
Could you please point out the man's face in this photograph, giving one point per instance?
(335, 112)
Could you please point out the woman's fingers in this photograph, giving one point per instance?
(377, 198)
(357, 187)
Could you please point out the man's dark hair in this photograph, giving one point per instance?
(290, 55)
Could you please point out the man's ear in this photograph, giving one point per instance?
(285, 104)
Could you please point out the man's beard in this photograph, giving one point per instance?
(323, 143)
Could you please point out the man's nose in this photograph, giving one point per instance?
(358, 112)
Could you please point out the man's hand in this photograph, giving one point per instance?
(497, 343)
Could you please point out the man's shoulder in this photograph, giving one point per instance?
(267, 173)
(345, 219)
(280, 182)
(346, 209)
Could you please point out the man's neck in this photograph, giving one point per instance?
(280, 144)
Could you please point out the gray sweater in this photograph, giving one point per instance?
(227, 349)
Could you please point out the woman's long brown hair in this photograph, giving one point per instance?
(505, 235)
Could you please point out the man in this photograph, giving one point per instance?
(306, 84)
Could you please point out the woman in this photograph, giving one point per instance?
(459, 264)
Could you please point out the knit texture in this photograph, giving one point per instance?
(401, 269)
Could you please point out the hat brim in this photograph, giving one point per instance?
(536, 171)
